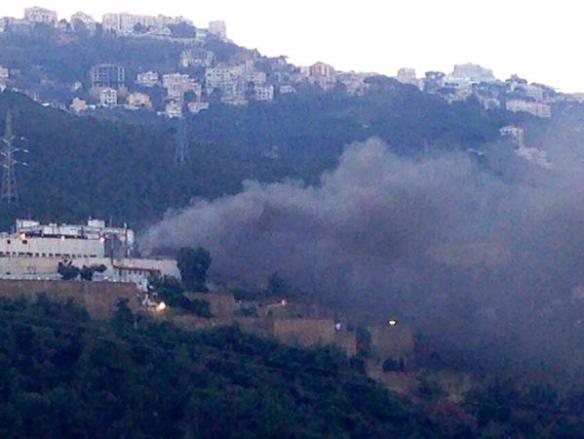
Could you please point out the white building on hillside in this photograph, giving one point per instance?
(173, 109)
(196, 58)
(264, 92)
(4, 75)
(33, 239)
(78, 105)
(81, 19)
(126, 24)
(34, 251)
(538, 109)
(148, 79)
(177, 85)
(139, 100)
(218, 28)
(108, 97)
(407, 75)
(41, 15)
(473, 73)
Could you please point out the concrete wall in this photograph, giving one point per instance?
(305, 332)
(294, 332)
(392, 341)
(99, 298)
(222, 304)
(55, 247)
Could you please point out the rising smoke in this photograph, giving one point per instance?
(478, 257)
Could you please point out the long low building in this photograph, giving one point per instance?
(34, 251)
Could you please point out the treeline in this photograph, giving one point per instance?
(64, 375)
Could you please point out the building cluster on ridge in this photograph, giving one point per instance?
(471, 80)
(200, 78)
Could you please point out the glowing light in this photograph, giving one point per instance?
(23, 236)
(392, 323)
(284, 302)
(161, 307)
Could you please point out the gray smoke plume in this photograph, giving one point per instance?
(478, 258)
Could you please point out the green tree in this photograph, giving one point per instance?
(68, 271)
(86, 273)
(193, 266)
(277, 285)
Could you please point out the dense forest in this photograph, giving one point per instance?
(64, 375)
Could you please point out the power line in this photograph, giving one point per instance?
(9, 191)
(181, 154)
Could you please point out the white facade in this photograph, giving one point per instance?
(321, 69)
(31, 239)
(516, 134)
(473, 73)
(148, 79)
(41, 15)
(78, 105)
(4, 75)
(287, 89)
(196, 58)
(108, 97)
(173, 109)
(535, 92)
(264, 92)
(126, 24)
(177, 85)
(407, 75)
(197, 107)
(87, 20)
(139, 100)
(538, 109)
(354, 83)
(218, 28)
(137, 271)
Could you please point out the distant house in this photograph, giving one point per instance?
(108, 97)
(218, 28)
(41, 15)
(108, 76)
(197, 107)
(139, 100)
(4, 75)
(321, 69)
(196, 58)
(148, 79)
(538, 109)
(264, 92)
(78, 105)
(83, 21)
(173, 109)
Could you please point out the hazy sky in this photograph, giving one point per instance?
(536, 39)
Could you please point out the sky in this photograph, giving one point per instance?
(538, 40)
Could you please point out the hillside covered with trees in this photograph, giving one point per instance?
(123, 167)
(64, 375)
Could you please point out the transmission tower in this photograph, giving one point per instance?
(181, 154)
(8, 150)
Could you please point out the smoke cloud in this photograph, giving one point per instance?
(481, 256)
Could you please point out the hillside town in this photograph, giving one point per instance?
(201, 78)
